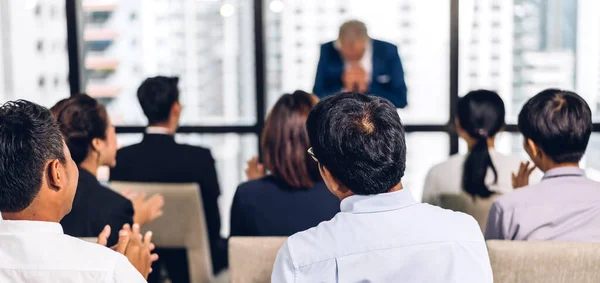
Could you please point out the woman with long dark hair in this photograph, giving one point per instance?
(286, 195)
(92, 141)
(483, 172)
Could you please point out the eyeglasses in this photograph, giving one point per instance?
(310, 152)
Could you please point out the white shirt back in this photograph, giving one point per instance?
(39, 252)
(446, 177)
(387, 238)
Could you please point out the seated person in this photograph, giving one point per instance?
(92, 142)
(556, 126)
(382, 233)
(158, 158)
(37, 187)
(293, 197)
(483, 172)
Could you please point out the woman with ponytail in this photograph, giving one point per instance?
(483, 172)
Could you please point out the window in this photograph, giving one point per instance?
(534, 56)
(422, 34)
(216, 96)
(41, 82)
(40, 45)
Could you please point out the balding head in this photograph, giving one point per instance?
(353, 39)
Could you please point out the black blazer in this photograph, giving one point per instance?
(158, 158)
(94, 207)
(270, 207)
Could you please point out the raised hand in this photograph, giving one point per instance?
(145, 210)
(255, 169)
(521, 178)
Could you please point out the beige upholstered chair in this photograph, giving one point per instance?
(544, 262)
(181, 226)
(478, 208)
(251, 259)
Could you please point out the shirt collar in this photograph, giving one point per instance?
(564, 171)
(158, 131)
(30, 227)
(378, 202)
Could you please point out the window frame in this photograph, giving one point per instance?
(77, 85)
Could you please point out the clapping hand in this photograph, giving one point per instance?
(145, 211)
(134, 246)
(255, 169)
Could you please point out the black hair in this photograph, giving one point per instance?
(558, 121)
(481, 114)
(157, 95)
(360, 139)
(29, 139)
(81, 120)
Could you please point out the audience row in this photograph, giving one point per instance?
(330, 177)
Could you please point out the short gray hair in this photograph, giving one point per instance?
(352, 30)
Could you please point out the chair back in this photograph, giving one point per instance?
(181, 226)
(251, 259)
(543, 262)
(479, 208)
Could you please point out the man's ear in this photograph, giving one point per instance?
(55, 174)
(535, 150)
(335, 184)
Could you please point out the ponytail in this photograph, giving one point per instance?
(475, 169)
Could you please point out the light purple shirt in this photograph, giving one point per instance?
(564, 206)
(387, 238)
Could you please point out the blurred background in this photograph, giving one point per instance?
(234, 59)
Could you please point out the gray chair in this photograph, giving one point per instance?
(181, 226)
(479, 208)
(251, 259)
(544, 262)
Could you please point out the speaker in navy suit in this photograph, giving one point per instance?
(355, 62)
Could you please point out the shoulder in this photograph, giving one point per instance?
(456, 226)
(518, 197)
(196, 150)
(384, 44)
(255, 186)
(93, 254)
(315, 244)
(128, 149)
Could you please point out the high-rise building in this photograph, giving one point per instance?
(33, 51)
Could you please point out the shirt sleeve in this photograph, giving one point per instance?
(494, 229)
(124, 272)
(284, 270)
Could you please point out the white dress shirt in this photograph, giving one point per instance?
(39, 252)
(446, 177)
(387, 238)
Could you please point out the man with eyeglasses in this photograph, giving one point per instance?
(381, 234)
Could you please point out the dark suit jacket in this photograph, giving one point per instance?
(158, 158)
(270, 207)
(94, 207)
(387, 79)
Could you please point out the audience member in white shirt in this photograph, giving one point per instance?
(483, 172)
(37, 187)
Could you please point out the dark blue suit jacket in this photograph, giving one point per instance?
(387, 79)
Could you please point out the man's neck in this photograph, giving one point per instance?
(161, 128)
(90, 166)
(34, 214)
(559, 165)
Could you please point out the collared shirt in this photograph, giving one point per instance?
(366, 62)
(33, 251)
(446, 177)
(387, 238)
(158, 131)
(564, 206)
